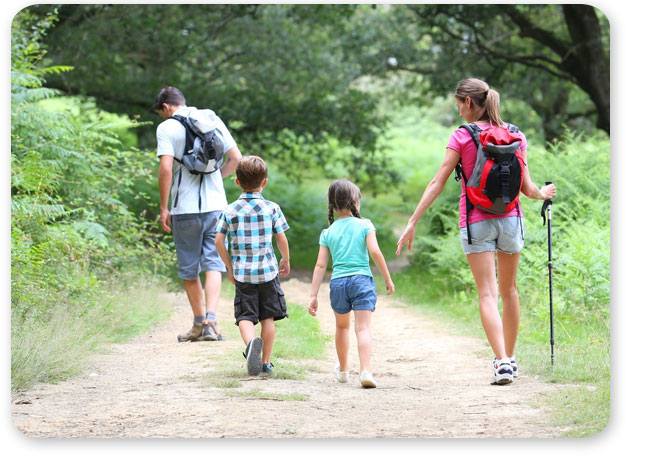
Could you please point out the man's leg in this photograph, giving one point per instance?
(212, 286)
(193, 290)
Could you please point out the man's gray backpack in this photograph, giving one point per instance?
(204, 148)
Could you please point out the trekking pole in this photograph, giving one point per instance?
(546, 211)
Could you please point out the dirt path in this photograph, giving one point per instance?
(430, 384)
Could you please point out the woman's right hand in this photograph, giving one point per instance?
(406, 238)
(548, 191)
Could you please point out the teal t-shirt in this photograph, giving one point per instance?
(346, 241)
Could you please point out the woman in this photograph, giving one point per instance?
(496, 239)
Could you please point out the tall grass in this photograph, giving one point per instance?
(57, 347)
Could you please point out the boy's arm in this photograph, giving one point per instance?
(284, 248)
(224, 255)
(378, 258)
(317, 278)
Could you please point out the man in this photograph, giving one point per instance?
(197, 202)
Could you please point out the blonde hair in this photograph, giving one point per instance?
(483, 96)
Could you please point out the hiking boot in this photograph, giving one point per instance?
(268, 368)
(210, 332)
(192, 335)
(502, 372)
(367, 380)
(342, 376)
(253, 355)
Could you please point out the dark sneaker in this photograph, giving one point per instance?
(268, 368)
(502, 372)
(210, 332)
(253, 355)
(192, 335)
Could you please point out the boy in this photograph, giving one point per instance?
(250, 222)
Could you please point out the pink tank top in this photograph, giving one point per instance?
(462, 142)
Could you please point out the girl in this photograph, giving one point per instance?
(349, 240)
(497, 240)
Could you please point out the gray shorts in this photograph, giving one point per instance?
(195, 244)
(502, 234)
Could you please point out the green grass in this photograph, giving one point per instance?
(58, 347)
(257, 393)
(581, 350)
(298, 340)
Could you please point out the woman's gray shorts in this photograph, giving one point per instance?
(195, 244)
(502, 234)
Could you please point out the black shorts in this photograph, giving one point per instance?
(259, 301)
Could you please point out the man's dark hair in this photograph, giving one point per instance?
(171, 96)
(250, 171)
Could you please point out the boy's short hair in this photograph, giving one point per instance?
(171, 96)
(251, 171)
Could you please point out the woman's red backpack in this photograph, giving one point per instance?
(495, 182)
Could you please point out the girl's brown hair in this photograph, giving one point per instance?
(342, 195)
(483, 96)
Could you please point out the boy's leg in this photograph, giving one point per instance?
(268, 331)
(342, 339)
(364, 340)
(247, 330)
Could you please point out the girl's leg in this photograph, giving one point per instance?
(484, 272)
(342, 339)
(364, 342)
(507, 275)
(268, 331)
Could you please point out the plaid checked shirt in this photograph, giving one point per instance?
(250, 222)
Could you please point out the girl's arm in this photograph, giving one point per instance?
(378, 258)
(224, 255)
(433, 190)
(284, 248)
(317, 278)
(529, 188)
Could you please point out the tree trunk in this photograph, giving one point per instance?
(586, 60)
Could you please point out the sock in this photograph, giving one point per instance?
(512, 359)
(198, 318)
(211, 315)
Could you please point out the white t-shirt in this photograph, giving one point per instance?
(171, 139)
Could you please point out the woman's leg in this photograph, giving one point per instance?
(484, 272)
(364, 342)
(342, 339)
(507, 275)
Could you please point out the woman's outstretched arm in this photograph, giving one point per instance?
(431, 193)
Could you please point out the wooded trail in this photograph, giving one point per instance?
(431, 383)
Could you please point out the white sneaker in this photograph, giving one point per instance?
(502, 372)
(515, 369)
(342, 376)
(367, 380)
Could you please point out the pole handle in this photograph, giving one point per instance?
(547, 203)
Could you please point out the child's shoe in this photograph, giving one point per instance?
(268, 368)
(342, 376)
(502, 372)
(253, 355)
(367, 380)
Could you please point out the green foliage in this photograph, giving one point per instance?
(73, 237)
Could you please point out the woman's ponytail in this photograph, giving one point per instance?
(492, 109)
(483, 96)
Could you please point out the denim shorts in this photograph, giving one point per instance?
(195, 244)
(502, 234)
(355, 292)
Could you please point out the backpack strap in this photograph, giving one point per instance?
(475, 132)
(513, 128)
